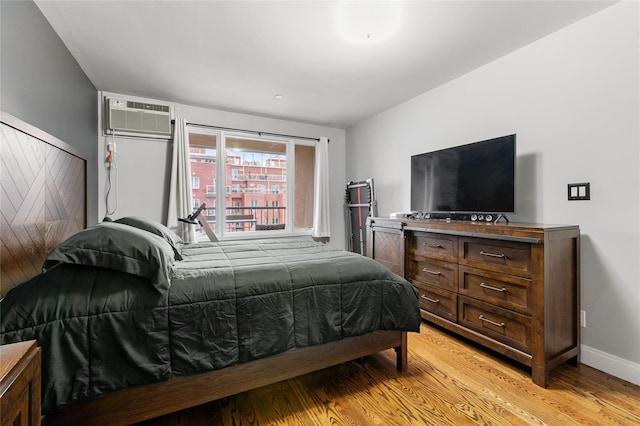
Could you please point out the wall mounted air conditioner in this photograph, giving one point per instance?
(133, 118)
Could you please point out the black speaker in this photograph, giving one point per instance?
(441, 216)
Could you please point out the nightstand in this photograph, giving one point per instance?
(20, 384)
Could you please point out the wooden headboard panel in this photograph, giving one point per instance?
(43, 198)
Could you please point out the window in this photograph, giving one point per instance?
(264, 181)
(203, 154)
(211, 189)
(195, 182)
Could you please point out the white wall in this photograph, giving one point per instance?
(144, 165)
(573, 99)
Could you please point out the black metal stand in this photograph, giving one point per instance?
(360, 203)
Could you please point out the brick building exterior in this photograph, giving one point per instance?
(255, 193)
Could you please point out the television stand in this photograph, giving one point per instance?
(511, 287)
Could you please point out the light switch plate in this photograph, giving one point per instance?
(578, 191)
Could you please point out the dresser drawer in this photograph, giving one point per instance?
(20, 384)
(439, 302)
(507, 291)
(434, 246)
(503, 256)
(16, 412)
(434, 272)
(506, 326)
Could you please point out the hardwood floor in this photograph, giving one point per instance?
(449, 382)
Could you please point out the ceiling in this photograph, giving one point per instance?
(238, 55)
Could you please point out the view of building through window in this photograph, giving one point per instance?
(254, 194)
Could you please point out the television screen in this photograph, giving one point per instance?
(474, 178)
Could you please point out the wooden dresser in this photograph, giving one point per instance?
(20, 384)
(513, 288)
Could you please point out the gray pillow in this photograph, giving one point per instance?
(120, 247)
(155, 228)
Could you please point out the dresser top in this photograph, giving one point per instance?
(536, 231)
(11, 354)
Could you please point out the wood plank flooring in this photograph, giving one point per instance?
(449, 382)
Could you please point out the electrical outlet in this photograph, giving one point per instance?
(583, 319)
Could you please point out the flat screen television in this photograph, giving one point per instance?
(474, 178)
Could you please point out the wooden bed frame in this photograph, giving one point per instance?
(56, 182)
(43, 198)
(141, 403)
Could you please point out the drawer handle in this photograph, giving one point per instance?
(488, 287)
(430, 299)
(482, 318)
(431, 272)
(501, 255)
(432, 245)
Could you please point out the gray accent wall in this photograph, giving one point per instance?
(42, 84)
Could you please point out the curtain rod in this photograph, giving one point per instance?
(208, 126)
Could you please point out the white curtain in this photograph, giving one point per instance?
(321, 210)
(180, 187)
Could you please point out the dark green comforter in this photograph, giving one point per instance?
(102, 329)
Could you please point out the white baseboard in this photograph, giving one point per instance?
(611, 364)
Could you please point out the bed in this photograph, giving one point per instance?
(134, 324)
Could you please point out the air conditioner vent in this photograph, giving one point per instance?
(149, 107)
(138, 118)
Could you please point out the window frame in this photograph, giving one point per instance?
(220, 181)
